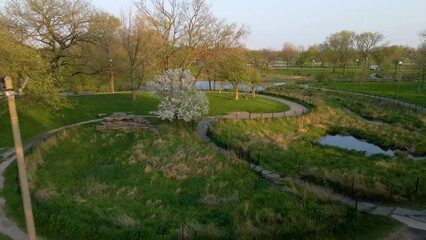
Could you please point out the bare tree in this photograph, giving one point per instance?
(137, 40)
(53, 25)
(365, 43)
(165, 17)
(187, 28)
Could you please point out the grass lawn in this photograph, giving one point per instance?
(409, 91)
(132, 186)
(221, 104)
(35, 120)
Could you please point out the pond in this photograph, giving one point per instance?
(352, 143)
(204, 85)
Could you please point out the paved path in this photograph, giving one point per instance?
(412, 218)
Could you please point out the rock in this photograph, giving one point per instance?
(258, 169)
(119, 114)
(108, 119)
(265, 172)
(272, 177)
(127, 123)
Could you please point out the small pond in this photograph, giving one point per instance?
(204, 85)
(352, 143)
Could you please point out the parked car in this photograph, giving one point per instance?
(375, 67)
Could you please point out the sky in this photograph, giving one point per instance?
(307, 22)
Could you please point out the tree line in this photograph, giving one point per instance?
(69, 45)
(68, 42)
(341, 49)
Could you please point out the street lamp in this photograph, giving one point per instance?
(7, 86)
(357, 64)
(313, 63)
(398, 78)
(111, 76)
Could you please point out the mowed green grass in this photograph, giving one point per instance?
(221, 104)
(35, 120)
(409, 91)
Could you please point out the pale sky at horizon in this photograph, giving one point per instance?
(307, 22)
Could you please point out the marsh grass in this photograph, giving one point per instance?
(290, 146)
(96, 185)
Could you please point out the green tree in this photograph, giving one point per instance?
(101, 56)
(341, 48)
(24, 63)
(51, 25)
(233, 68)
(365, 43)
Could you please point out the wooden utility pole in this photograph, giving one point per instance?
(26, 199)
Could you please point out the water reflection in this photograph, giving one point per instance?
(204, 85)
(352, 143)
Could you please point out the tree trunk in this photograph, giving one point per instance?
(133, 86)
(210, 85)
(423, 77)
(111, 78)
(214, 85)
(344, 70)
(236, 90)
(365, 66)
(253, 91)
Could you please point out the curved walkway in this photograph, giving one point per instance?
(412, 218)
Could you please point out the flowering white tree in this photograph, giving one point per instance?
(180, 98)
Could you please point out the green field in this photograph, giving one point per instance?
(132, 186)
(35, 120)
(221, 104)
(409, 91)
